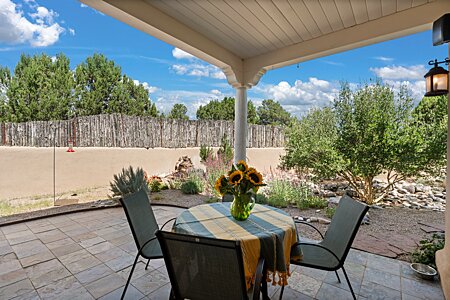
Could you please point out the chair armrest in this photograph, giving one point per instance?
(310, 225)
(258, 279)
(167, 222)
(320, 246)
(145, 244)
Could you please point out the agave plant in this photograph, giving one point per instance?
(128, 181)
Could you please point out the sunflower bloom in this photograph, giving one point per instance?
(242, 165)
(236, 177)
(254, 176)
(218, 185)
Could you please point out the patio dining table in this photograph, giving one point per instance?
(268, 233)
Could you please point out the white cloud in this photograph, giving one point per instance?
(301, 96)
(15, 28)
(150, 89)
(383, 58)
(415, 72)
(416, 88)
(82, 5)
(165, 99)
(199, 70)
(72, 31)
(410, 76)
(180, 54)
(216, 92)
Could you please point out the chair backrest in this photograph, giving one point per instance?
(140, 216)
(344, 226)
(203, 268)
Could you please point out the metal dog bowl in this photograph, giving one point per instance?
(423, 271)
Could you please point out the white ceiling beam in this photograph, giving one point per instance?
(386, 28)
(145, 17)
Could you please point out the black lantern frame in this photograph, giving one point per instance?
(437, 79)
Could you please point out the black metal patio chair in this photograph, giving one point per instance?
(330, 253)
(143, 225)
(203, 268)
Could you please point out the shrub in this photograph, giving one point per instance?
(193, 184)
(329, 212)
(225, 151)
(156, 186)
(282, 192)
(205, 153)
(215, 167)
(426, 251)
(128, 181)
(190, 187)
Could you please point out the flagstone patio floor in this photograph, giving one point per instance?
(88, 255)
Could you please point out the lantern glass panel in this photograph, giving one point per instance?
(428, 83)
(440, 82)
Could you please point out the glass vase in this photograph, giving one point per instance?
(241, 206)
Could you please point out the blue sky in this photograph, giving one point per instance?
(172, 76)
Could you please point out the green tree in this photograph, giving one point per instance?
(41, 89)
(101, 88)
(97, 81)
(130, 98)
(224, 110)
(5, 79)
(432, 117)
(368, 131)
(178, 111)
(272, 113)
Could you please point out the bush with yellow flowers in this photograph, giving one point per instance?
(240, 180)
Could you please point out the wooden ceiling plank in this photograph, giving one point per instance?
(211, 31)
(281, 20)
(262, 15)
(374, 9)
(316, 11)
(359, 8)
(345, 11)
(260, 26)
(388, 7)
(403, 4)
(293, 19)
(303, 13)
(332, 14)
(247, 29)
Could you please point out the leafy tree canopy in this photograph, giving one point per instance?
(368, 131)
(45, 88)
(41, 89)
(178, 111)
(272, 113)
(224, 110)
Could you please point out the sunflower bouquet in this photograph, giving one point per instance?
(243, 183)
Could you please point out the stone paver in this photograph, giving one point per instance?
(88, 255)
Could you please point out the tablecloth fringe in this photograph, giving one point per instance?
(282, 277)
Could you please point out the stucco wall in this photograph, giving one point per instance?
(27, 171)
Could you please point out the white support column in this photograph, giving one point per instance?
(443, 256)
(240, 124)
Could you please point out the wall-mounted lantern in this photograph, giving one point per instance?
(437, 79)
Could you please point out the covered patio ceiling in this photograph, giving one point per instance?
(246, 38)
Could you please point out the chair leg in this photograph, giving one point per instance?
(337, 275)
(146, 266)
(129, 276)
(281, 292)
(348, 282)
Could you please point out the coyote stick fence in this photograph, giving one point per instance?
(118, 130)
